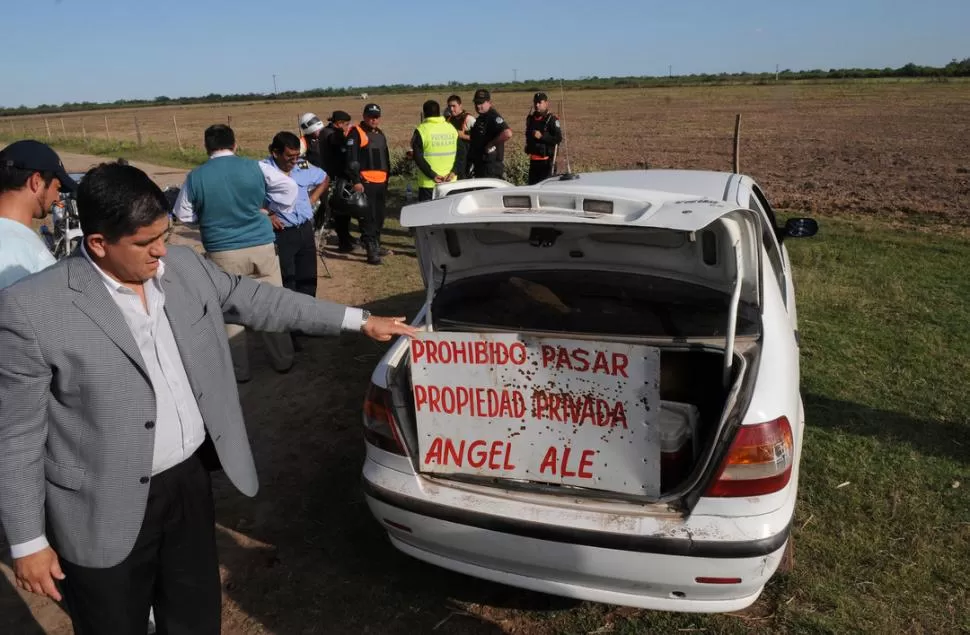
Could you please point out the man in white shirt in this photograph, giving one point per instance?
(31, 177)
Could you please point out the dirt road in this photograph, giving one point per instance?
(163, 176)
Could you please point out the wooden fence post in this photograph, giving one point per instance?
(737, 143)
(84, 132)
(107, 133)
(63, 129)
(178, 137)
(137, 131)
(48, 125)
(229, 118)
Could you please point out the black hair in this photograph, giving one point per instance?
(431, 108)
(453, 98)
(284, 141)
(117, 200)
(12, 178)
(219, 137)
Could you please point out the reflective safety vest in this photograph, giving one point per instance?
(439, 142)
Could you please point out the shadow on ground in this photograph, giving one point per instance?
(306, 555)
(928, 437)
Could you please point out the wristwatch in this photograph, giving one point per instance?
(364, 316)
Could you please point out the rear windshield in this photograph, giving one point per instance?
(588, 302)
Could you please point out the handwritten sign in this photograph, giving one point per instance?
(547, 410)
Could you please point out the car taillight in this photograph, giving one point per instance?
(380, 428)
(758, 462)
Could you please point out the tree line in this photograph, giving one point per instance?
(956, 68)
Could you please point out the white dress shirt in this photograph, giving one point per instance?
(281, 191)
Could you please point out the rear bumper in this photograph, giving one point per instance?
(556, 550)
(661, 545)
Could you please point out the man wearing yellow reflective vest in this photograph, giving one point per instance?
(434, 145)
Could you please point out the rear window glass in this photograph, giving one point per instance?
(594, 302)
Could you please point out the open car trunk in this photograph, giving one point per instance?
(647, 275)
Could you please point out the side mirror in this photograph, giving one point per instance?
(800, 227)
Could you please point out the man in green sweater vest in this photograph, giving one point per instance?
(225, 197)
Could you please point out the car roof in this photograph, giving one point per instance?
(700, 183)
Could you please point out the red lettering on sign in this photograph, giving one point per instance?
(417, 350)
(565, 463)
(560, 465)
(578, 359)
(434, 394)
(452, 453)
(434, 452)
(549, 461)
(420, 397)
(495, 455)
(577, 409)
(620, 362)
(477, 460)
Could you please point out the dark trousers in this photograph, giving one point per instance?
(173, 566)
(461, 160)
(425, 194)
(539, 170)
(341, 225)
(298, 258)
(489, 169)
(372, 218)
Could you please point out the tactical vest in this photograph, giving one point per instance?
(439, 140)
(537, 150)
(373, 152)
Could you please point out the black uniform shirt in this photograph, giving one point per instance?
(487, 127)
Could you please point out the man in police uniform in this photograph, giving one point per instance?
(332, 138)
(542, 134)
(434, 145)
(367, 166)
(486, 151)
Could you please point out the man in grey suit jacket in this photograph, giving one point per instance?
(115, 380)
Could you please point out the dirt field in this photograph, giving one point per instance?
(880, 148)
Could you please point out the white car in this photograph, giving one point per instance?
(683, 507)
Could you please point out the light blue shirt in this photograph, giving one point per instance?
(22, 252)
(307, 178)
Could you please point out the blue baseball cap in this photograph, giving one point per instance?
(37, 157)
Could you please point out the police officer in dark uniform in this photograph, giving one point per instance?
(543, 133)
(486, 150)
(332, 139)
(368, 165)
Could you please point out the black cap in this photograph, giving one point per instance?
(539, 97)
(372, 110)
(340, 115)
(481, 96)
(38, 157)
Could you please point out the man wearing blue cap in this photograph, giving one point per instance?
(31, 178)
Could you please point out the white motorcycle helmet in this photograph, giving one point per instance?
(310, 123)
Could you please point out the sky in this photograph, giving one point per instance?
(103, 50)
